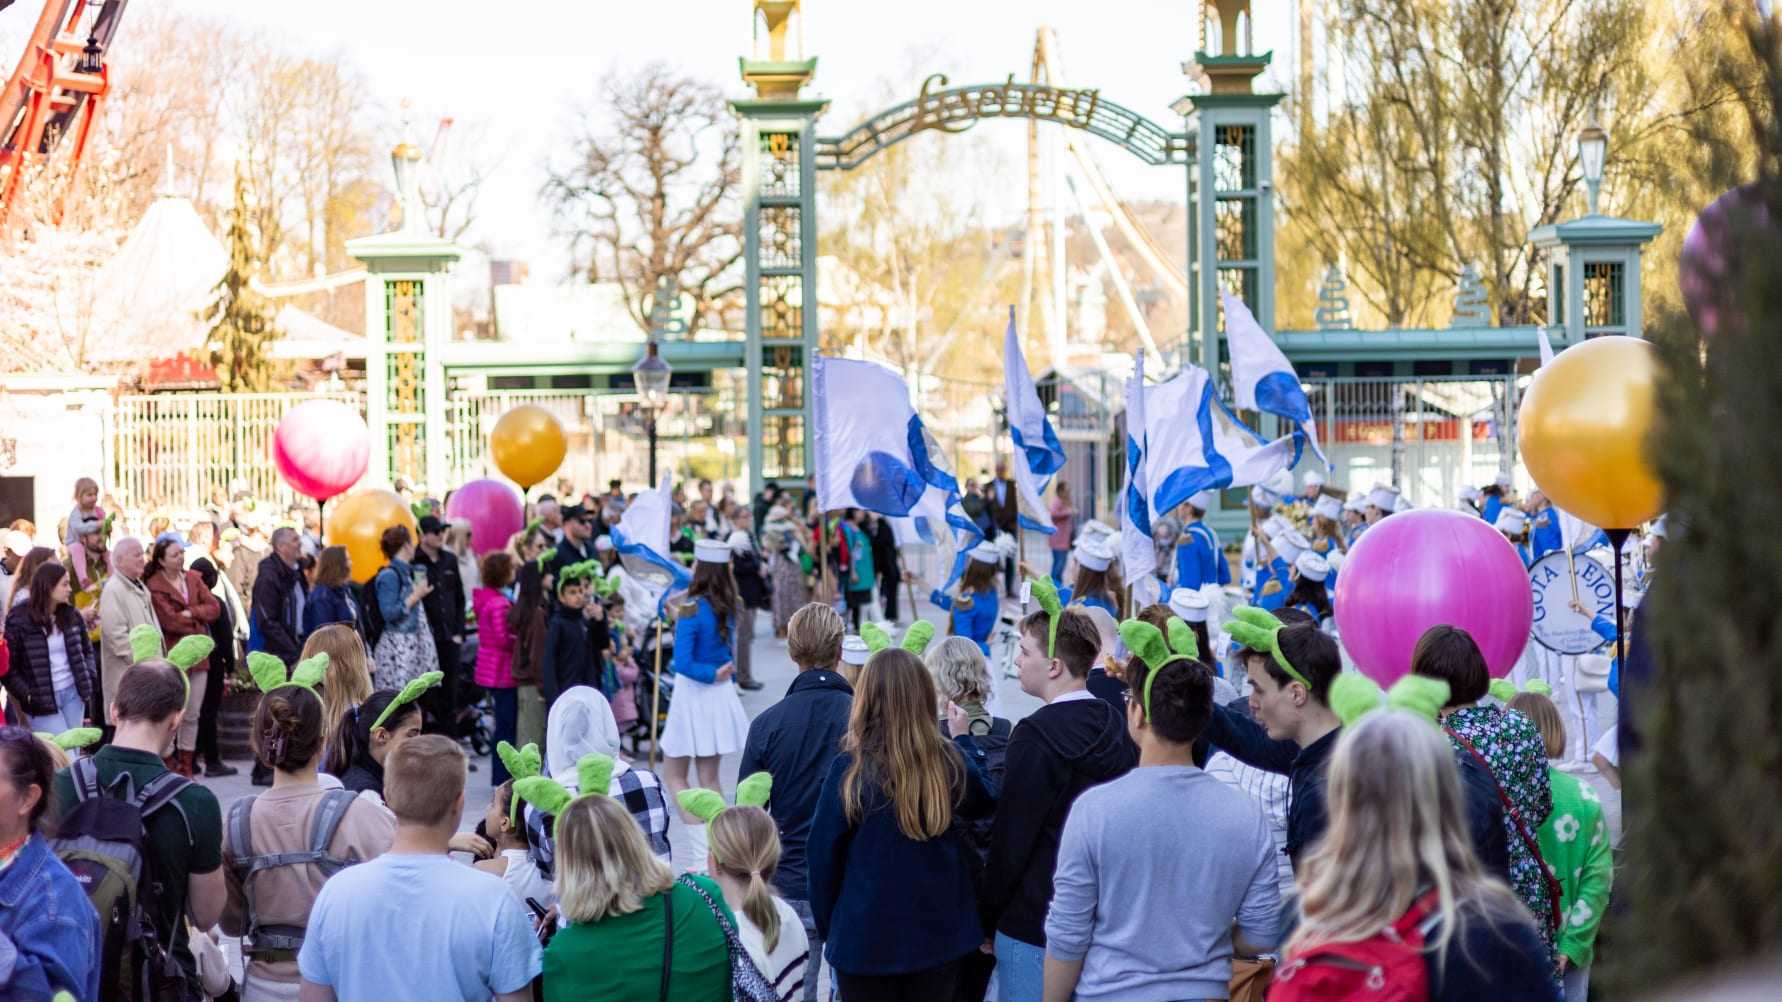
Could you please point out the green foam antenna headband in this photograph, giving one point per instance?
(269, 672)
(1259, 630)
(521, 763)
(1354, 695)
(915, 639)
(1504, 690)
(708, 804)
(1046, 594)
(1155, 650)
(594, 775)
(410, 692)
(583, 570)
(145, 642)
(72, 739)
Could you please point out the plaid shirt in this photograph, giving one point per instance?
(1271, 792)
(641, 793)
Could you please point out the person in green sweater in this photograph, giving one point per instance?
(1575, 843)
(623, 912)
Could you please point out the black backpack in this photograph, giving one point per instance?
(103, 842)
(374, 614)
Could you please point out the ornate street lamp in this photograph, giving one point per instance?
(651, 376)
(90, 57)
(1593, 147)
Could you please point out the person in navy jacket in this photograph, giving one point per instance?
(976, 608)
(891, 888)
(705, 719)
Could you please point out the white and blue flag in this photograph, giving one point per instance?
(641, 540)
(1261, 377)
(1138, 552)
(1194, 443)
(1038, 453)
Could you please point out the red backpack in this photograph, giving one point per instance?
(1385, 968)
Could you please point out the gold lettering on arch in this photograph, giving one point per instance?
(954, 111)
(932, 109)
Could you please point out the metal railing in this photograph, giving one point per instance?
(173, 451)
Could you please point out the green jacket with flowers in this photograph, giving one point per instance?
(1575, 842)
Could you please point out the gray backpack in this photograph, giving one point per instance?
(333, 810)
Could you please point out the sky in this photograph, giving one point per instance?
(520, 66)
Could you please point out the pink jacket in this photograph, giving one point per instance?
(495, 642)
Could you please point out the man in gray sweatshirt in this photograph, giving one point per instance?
(1156, 867)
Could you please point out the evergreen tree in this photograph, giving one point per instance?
(1701, 892)
(242, 331)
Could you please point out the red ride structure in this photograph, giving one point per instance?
(55, 92)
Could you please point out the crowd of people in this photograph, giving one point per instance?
(892, 826)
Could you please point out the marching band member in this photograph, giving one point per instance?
(975, 609)
(1097, 582)
(1514, 525)
(1327, 534)
(1313, 487)
(1496, 496)
(1198, 560)
(1261, 508)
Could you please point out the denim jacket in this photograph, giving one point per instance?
(392, 585)
(46, 915)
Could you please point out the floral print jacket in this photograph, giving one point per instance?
(1512, 747)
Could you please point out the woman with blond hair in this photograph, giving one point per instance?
(1398, 841)
(348, 681)
(631, 932)
(882, 862)
(745, 851)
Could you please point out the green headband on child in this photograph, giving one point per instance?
(1259, 630)
(73, 739)
(1354, 695)
(1504, 690)
(521, 763)
(576, 573)
(915, 639)
(594, 776)
(1046, 594)
(409, 694)
(708, 804)
(1156, 651)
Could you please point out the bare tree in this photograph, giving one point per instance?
(650, 191)
(463, 157)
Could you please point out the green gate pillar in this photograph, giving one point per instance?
(779, 252)
(1593, 275)
(408, 320)
(1231, 214)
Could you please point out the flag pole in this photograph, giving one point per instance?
(656, 693)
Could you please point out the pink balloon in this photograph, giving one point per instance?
(493, 510)
(1427, 568)
(1710, 269)
(321, 448)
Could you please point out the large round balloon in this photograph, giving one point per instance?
(1583, 429)
(1425, 568)
(1710, 269)
(358, 523)
(493, 511)
(321, 448)
(528, 444)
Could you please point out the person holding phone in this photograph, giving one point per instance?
(406, 649)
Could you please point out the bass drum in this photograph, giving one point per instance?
(1562, 622)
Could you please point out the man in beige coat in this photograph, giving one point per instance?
(123, 605)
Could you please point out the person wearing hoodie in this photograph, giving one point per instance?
(1074, 742)
(581, 723)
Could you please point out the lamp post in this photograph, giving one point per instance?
(651, 376)
(1593, 147)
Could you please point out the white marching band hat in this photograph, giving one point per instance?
(1503, 479)
(711, 551)
(1262, 499)
(986, 553)
(1203, 500)
(1094, 529)
(1290, 544)
(1274, 525)
(1328, 507)
(1312, 567)
(1313, 479)
(1281, 484)
(854, 650)
(1383, 497)
(1357, 503)
(1095, 555)
(1189, 604)
(1511, 521)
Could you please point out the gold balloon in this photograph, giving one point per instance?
(1583, 429)
(358, 523)
(528, 444)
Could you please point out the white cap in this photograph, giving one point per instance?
(1095, 555)
(1290, 544)
(1313, 479)
(1203, 500)
(1357, 503)
(854, 650)
(1511, 521)
(1312, 567)
(1471, 493)
(1503, 479)
(986, 553)
(710, 551)
(1274, 525)
(1189, 604)
(1262, 499)
(1094, 528)
(603, 543)
(1328, 507)
(1280, 485)
(1383, 497)
(739, 541)
(17, 543)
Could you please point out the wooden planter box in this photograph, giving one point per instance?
(235, 724)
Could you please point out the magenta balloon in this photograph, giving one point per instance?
(321, 448)
(493, 510)
(1709, 269)
(1419, 569)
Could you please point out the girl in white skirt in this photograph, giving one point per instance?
(706, 719)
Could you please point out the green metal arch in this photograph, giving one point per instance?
(956, 109)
